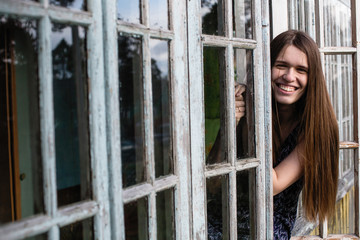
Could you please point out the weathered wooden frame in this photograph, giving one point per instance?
(177, 37)
(262, 163)
(98, 208)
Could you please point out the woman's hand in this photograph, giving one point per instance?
(239, 102)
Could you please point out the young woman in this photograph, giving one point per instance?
(305, 132)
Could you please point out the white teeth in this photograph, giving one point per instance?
(287, 88)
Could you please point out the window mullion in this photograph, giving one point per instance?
(196, 98)
(97, 126)
(113, 121)
(259, 125)
(47, 117)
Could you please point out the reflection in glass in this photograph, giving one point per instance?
(217, 207)
(161, 108)
(130, 94)
(136, 219)
(21, 179)
(339, 80)
(128, 11)
(37, 237)
(73, 4)
(242, 19)
(159, 14)
(78, 230)
(212, 17)
(337, 23)
(71, 113)
(214, 74)
(165, 215)
(245, 193)
(343, 220)
(245, 131)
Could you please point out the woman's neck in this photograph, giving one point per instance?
(289, 119)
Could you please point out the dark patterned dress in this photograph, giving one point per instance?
(285, 203)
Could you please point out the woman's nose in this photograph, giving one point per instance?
(289, 75)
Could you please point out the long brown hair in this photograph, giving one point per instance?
(318, 130)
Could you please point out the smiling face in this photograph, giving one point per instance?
(289, 75)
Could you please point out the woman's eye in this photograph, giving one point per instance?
(302, 70)
(280, 65)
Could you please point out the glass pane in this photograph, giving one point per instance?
(339, 77)
(136, 220)
(217, 189)
(73, 4)
(78, 230)
(128, 11)
(165, 215)
(161, 106)
(131, 113)
(159, 14)
(37, 237)
(214, 74)
(212, 13)
(343, 220)
(245, 130)
(337, 23)
(245, 190)
(242, 19)
(71, 113)
(21, 179)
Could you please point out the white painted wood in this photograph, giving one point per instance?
(180, 117)
(142, 30)
(47, 117)
(218, 41)
(98, 152)
(197, 120)
(267, 118)
(42, 223)
(113, 120)
(259, 125)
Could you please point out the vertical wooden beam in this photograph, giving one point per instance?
(197, 120)
(259, 122)
(99, 156)
(113, 119)
(267, 116)
(180, 113)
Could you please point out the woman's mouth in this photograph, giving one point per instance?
(286, 88)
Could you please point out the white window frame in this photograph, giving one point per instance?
(180, 179)
(98, 208)
(262, 102)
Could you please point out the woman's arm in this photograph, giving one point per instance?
(288, 171)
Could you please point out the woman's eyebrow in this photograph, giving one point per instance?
(286, 63)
